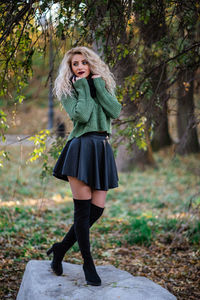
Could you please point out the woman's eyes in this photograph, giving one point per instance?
(76, 64)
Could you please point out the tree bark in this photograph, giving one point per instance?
(124, 67)
(156, 107)
(161, 137)
(186, 123)
(187, 131)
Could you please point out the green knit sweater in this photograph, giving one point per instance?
(90, 114)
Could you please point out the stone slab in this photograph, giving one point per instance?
(40, 283)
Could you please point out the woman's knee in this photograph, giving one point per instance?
(99, 198)
(80, 190)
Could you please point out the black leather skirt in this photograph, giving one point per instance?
(90, 159)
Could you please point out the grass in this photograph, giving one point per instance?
(150, 224)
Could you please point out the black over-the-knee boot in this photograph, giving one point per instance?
(59, 249)
(81, 227)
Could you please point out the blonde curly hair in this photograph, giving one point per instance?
(63, 84)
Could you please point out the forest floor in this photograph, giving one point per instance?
(150, 226)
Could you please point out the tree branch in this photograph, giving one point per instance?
(16, 20)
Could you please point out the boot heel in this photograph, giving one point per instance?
(49, 251)
(58, 255)
(91, 276)
(93, 283)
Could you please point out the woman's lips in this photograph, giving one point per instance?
(81, 72)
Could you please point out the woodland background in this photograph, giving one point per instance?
(151, 224)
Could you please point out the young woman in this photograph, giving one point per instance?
(85, 87)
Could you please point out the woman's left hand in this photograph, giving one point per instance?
(96, 76)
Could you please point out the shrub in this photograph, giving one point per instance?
(194, 233)
(139, 232)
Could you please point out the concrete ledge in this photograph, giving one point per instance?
(40, 283)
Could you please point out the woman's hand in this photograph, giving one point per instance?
(96, 76)
(74, 79)
(77, 78)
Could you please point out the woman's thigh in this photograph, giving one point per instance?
(79, 189)
(82, 191)
(99, 197)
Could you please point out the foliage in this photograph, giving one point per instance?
(17, 29)
(194, 233)
(52, 153)
(45, 153)
(139, 232)
(17, 52)
(3, 128)
(152, 35)
(40, 143)
(35, 213)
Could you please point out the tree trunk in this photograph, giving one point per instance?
(124, 67)
(186, 124)
(156, 108)
(187, 131)
(161, 136)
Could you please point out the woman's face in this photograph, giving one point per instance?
(80, 66)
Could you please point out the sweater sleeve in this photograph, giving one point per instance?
(79, 107)
(108, 101)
